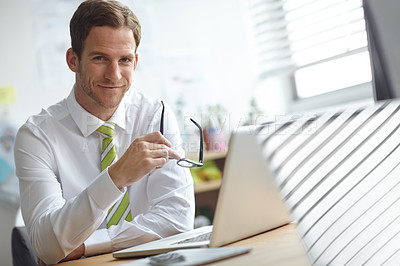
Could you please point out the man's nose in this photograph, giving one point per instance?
(113, 71)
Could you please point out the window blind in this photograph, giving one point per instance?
(290, 34)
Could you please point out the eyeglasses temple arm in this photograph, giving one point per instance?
(162, 119)
(201, 154)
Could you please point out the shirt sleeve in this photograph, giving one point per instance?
(56, 227)
(171, 210)
(170, 193)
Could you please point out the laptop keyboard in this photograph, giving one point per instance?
(201, 237)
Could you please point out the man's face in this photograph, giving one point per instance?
(104, 71)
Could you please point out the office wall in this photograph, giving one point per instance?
(17, 67)
(203, 41)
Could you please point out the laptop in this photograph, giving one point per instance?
(249, 202)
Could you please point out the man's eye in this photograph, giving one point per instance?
(126, 60)
(99, 58)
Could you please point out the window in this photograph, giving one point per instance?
(320, 45)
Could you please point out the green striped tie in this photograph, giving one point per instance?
(121, 209)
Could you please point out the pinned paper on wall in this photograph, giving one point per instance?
(7, 94)
(9, 192)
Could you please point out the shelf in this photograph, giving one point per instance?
(207, 186)
(215, 155)
(208, 156)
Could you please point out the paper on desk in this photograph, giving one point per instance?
(196, 256)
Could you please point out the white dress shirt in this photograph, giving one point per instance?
(64, 195)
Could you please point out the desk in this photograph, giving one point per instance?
(279, 247)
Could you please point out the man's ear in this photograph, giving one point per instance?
(136, 61)
(72, 60)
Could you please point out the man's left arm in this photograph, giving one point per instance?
(170, 193)
(171, 199)
(171, 205)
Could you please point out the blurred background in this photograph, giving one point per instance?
(225, 63)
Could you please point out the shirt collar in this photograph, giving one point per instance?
(88, 123)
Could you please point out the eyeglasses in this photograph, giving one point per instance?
(185, 162)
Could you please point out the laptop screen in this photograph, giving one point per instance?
(249, 201)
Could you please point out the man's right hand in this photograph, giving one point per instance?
(145, 154)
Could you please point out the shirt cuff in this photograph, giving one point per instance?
(109, 177)
(98, 243)
(103, 191)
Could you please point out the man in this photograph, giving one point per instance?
(69, 184)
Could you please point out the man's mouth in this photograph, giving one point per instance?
(110, 87)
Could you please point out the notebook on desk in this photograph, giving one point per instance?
(248, 203)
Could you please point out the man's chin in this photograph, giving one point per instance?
(110, 104)
(108, 100)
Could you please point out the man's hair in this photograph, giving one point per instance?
(93, 13)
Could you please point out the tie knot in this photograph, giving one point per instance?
(107, 129)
